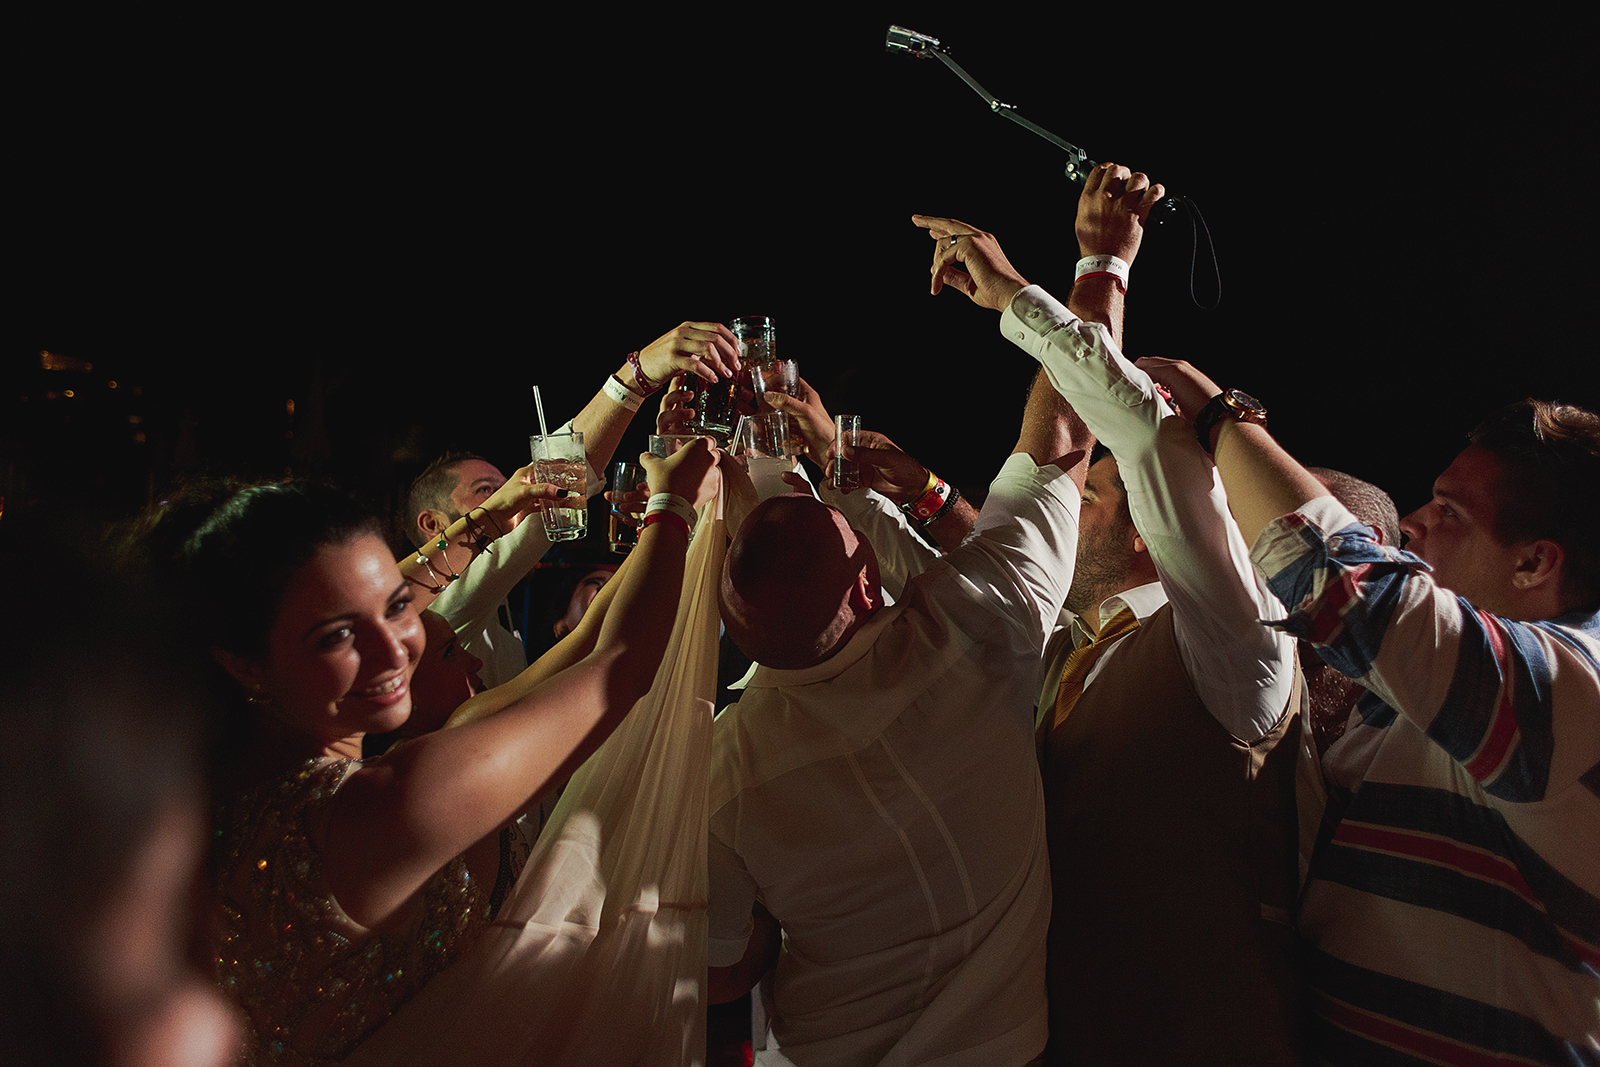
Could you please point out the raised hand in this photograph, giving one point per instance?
(691, 472)
(1112, 210)
(705, 349)
(885, 467)
(522, 494)
(677, 408)
(989, 279)
(806, 411)
(1188, 389)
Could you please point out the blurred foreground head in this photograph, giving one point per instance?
(103, 956)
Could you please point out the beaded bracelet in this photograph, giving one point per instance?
(646, 386)
(955, 495)
(444, 557)
(440, 583)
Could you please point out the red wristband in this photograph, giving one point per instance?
(928, 504)
(667, 517)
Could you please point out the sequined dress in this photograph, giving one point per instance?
(312, 982)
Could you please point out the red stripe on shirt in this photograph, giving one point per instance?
(1397, 1035)
(1502, 732)
(1439, 851)
(1333, 601)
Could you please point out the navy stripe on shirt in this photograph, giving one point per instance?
(1367, 1018)
(1439, 850)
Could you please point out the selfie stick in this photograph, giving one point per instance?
(920, 45)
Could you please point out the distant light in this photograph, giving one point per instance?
(289, 405)
(56, 361)
(111, 385)
(69, 392)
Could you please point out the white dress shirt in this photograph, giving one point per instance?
(1242, 670)
(886, 804)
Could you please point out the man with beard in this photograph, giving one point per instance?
(1168, 796)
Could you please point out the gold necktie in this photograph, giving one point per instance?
(1082, 658)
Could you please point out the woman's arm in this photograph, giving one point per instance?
(399, 819)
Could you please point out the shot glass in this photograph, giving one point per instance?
(558, 459)
(625, 478)
(779, 376)
(765, 436)
(846, 431)
(663, 445)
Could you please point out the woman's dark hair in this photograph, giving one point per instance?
(228, 551)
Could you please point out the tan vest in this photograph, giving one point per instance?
(1172, 855)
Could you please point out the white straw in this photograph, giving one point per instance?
(544, 431)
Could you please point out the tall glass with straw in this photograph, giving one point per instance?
(558, 459)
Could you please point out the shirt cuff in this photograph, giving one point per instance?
(1323, 514)
(1033, 312)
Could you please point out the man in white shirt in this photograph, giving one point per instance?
(875, 788)
(1169, 800)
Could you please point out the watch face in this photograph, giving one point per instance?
(1240, 400)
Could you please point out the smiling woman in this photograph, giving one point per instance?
(340, 884)
(340, 655)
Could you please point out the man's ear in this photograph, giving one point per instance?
(1538, 562)
(247, 672)
(862, 595)
(432, 523)
(1138, 543)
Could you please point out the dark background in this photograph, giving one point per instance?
(402, 225)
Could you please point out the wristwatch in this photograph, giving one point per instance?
(1235, 404)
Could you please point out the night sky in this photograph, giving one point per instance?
(403, 226)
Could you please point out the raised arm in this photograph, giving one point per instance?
(707, 350)
(1263, 481)
(1110, 226)
(398, 819)
(433, 568)
(1241, 670)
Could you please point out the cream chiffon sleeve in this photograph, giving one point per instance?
(599, 953)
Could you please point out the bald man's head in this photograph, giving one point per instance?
(797, 582)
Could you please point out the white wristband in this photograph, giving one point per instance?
(1092, 265)
(674, 504)
(621, 393)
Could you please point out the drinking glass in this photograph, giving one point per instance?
(625, 478)
(558, 459)
(846, 431)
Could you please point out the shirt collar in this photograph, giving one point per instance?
(1142, 600)
(860, 643)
